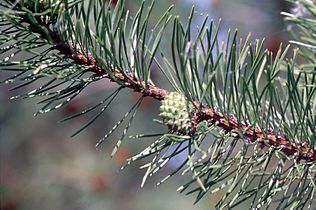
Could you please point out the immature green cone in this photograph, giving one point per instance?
(178, 114)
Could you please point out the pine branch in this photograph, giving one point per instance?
(75, 49)
(300, 151)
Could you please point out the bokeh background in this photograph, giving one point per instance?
(43, 168)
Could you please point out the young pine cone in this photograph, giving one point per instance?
(178, 114)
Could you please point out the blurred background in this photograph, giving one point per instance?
(43, 168)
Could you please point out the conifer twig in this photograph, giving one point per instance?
(252, 112)
(298, 151)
